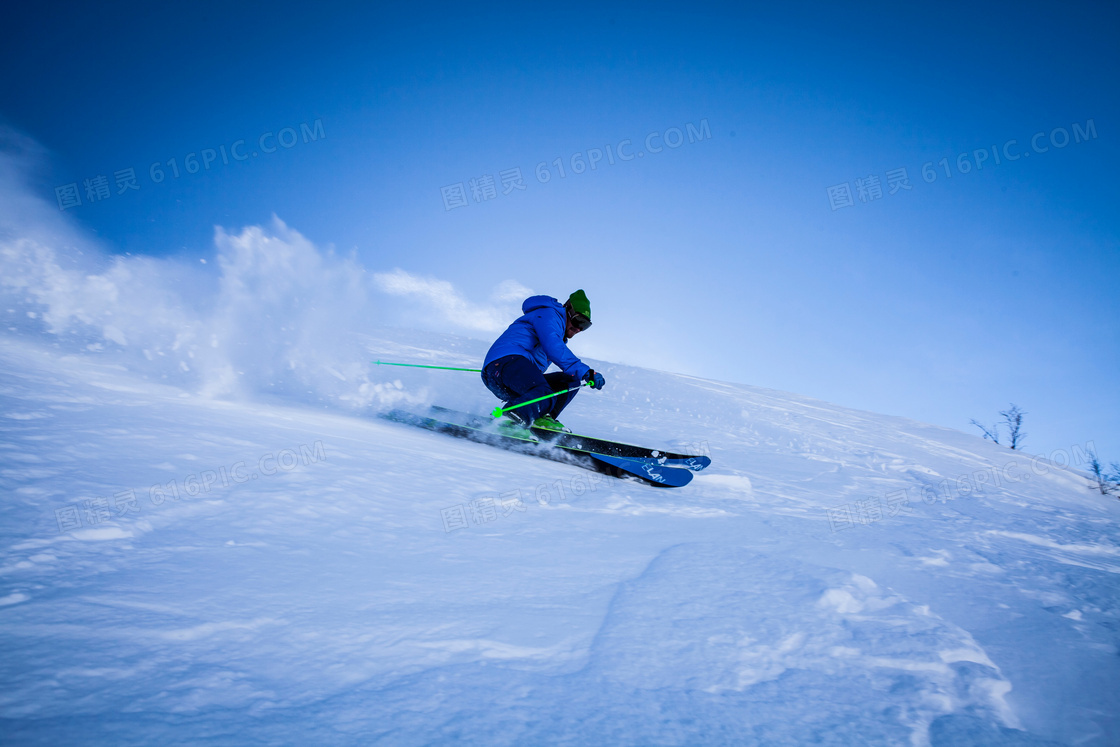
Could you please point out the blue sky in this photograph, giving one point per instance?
(724, 257)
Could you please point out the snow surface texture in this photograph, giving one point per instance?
(208, 537)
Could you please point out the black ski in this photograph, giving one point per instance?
(482, 429)
(693, 462)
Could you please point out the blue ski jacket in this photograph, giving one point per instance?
(539, 336)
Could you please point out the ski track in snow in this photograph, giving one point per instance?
(325, 602)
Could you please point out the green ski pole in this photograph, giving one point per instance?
(498, 411)
(417, 365)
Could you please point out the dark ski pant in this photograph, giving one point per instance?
(515, 378)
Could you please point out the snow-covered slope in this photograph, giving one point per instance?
(183, 569)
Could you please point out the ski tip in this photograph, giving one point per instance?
(648, 471)
(697, 463)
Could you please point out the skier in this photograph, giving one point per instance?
(514, 366)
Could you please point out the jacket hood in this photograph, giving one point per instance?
(537, 302)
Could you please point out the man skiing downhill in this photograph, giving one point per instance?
(514, 366)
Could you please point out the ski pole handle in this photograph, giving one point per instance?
(499, 411)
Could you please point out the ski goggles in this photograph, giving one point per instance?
(579, 321)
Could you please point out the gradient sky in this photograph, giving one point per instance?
(722, 257)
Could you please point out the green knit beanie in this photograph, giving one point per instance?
(578, 303)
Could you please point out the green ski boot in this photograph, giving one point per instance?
(514, 428)
(549, 423)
